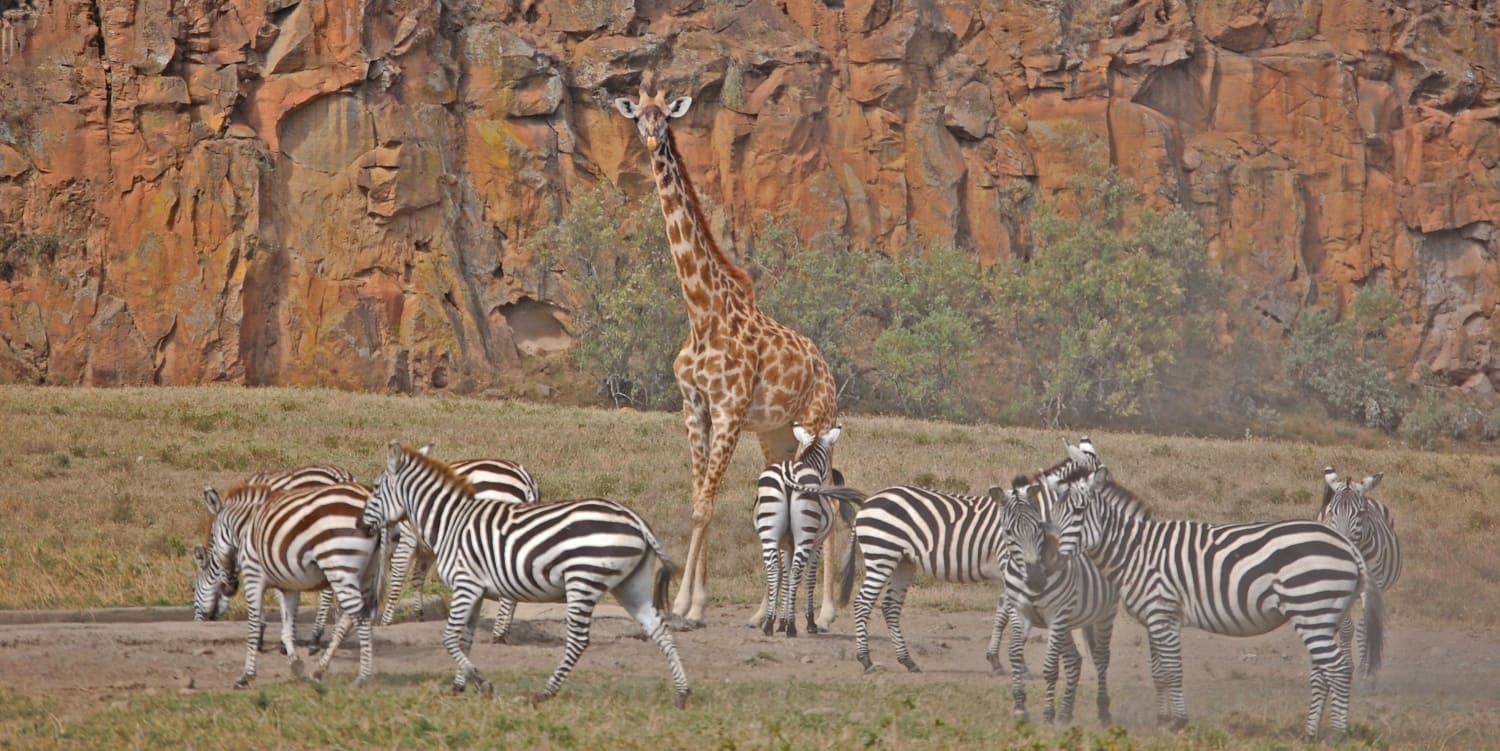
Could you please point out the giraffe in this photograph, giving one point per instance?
(739, 369)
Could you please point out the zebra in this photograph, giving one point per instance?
(903, 529)
(1348, 508)
(1234, 579)
(300, 477)
(496, 480)
(294, 541)
(543, 552)
(787, 519)
(1051, 583)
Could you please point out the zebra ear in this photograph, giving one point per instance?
(1077, 454)
(426, 449)
(1087, 447)
(1329, 476)
(832, 436)
(393, 454)
(200, 556)
(800, 433)
(212, 501)
(1373, 480)
(1049, 544)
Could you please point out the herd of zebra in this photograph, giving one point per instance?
(1068, 545)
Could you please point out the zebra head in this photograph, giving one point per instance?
(1096, 508)
(1032, 542)
(385, 506)
(651, 113)
(1345, 504)
(210, 591)
(216, 573)
(811, 467)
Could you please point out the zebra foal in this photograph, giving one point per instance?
(543, 552)
(788, 520)
(1366, 522)
(1052, 584)
(294, 541)
(1232, 579)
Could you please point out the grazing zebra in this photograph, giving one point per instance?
(300, 477)
(1231, 579)
(800, 522)
(1348, 508)
(903, 529)
(294, 541)
(495, 480)
(542, 552)
(1051, 583)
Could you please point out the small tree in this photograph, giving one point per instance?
(617, 266)
(1345, 363)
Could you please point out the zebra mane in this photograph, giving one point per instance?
(1120, 499)
(252, 492)
(439, 469)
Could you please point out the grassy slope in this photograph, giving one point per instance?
(102, 503)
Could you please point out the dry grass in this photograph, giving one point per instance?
(103, 494)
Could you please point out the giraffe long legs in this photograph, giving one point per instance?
(726, 435)
(695, 417)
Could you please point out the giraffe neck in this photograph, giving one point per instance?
(712, 284)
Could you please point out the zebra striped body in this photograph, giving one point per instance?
(493, 480)
(291, 479)
(1231, 579)
(903, 529)
(788, 520)
(544, 552)
(1051, 583)
(295, 541)
(1366, 522)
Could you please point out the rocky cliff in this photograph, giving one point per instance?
(335, 191)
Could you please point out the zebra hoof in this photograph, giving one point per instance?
(768, 628)
(813, 628)
(680, 701)
(243, 682)
(1020, 715)
(1177, 723)
(297, 668)
(864, 661)
(363, 681)
(911, 667)
(541, 696)
(484, 687)
(791, 630)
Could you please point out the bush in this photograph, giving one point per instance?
(1095, 321)
(1344, 363)
(1442, 413)
(627, 306)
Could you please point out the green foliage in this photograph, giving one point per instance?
(1345, 363)
(1440, 414)
(1093, 323)
(628, 303)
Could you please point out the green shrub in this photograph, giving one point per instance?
(1345, 363)
(1092, 324)
(1441, 413)
(627, 302)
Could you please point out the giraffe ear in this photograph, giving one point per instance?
(212, 501)
(679, 106)
(627, 108)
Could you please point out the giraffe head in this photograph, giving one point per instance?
(651, 113)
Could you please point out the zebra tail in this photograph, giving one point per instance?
(1374, 622)
(376, 572)
(846, 584)
(665, 573)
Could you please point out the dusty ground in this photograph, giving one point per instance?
(80, 666)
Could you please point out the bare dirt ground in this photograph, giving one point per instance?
(81, 666)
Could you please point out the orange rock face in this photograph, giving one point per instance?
(334, 192)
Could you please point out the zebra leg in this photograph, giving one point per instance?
(401, 561)
(814, 562)
(581, 602)
(505, 614)
(1072, 664)
(790, 586)
(785, 592)
(290, 601)
(351, 606)
(877, 573)
(466, 598)
(1049, 672)
(470, 627)
(421, 564)
(1097, 637)
(895, 596)
(255, 596)
(1003, 614)
(1330, 678)
(320, 623)
(1165, 633)
(366, 632)
(1017, 665)
(766, 616)
(636, 596)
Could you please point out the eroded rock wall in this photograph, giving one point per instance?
(335, 191)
